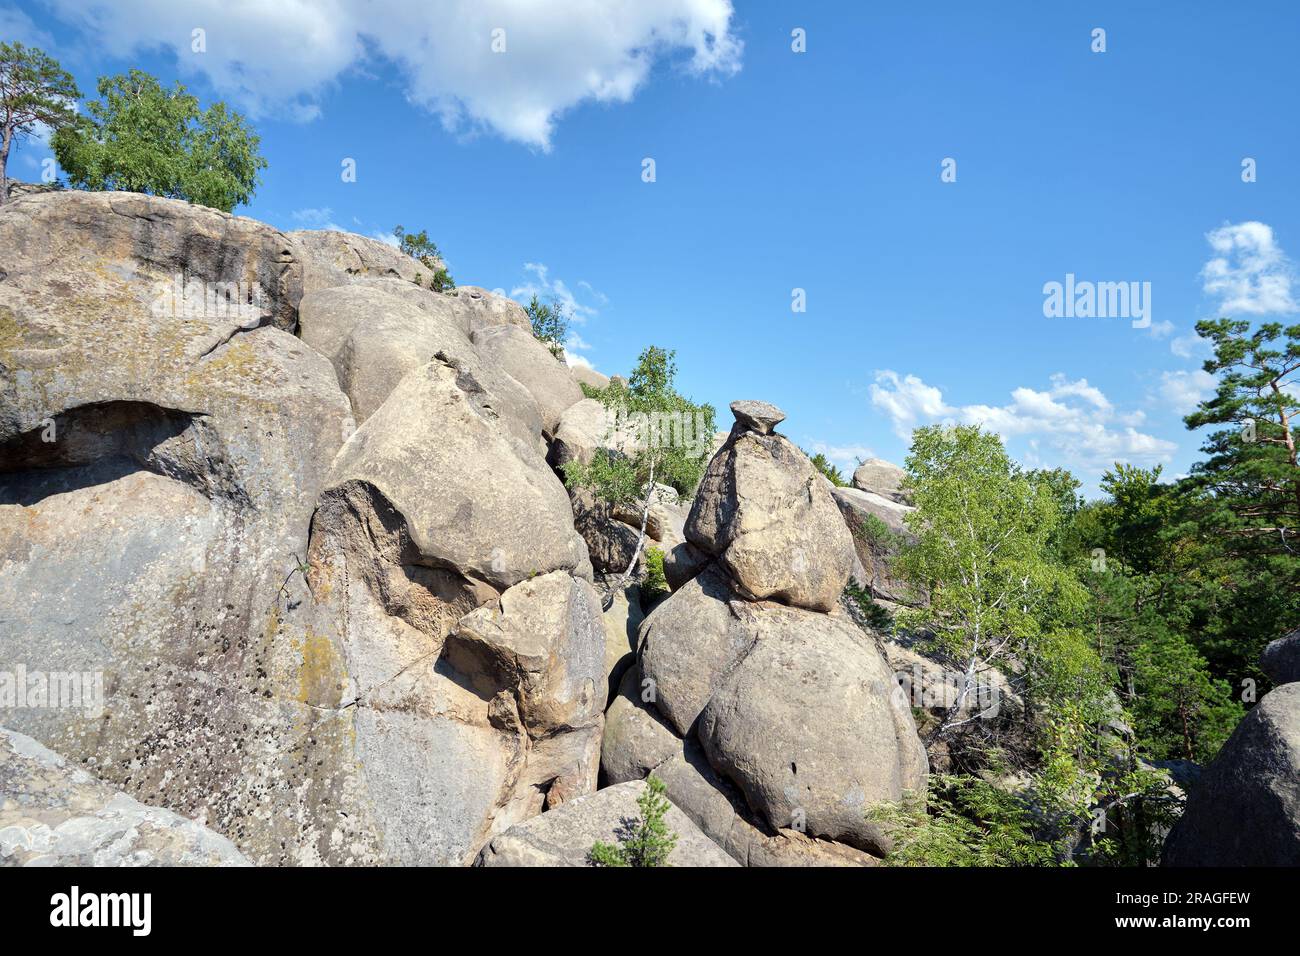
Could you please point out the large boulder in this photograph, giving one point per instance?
(481, 309)
(54, 814)
(812, 727)
(73, 253)
(762, 511)
(332, 258)
(880, 477)
(473, 497)
(374, 336)
(531, 363)
(638, 743)
(1245, 811)
(546, 639)
(689, 642)
(564, 837)
(1281, 659)
(877, 526)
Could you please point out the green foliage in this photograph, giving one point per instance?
(965, 822)
(424, 250)
(983, 551)
(832, 474)
(642, 841)
(673, 454)
(550, 321)
(871, 613)
(34, 91)
(655, 584)
(141, 137)
(879, 535)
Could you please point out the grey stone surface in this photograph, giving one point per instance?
(759, 417)
(54, 814)
(1245, 809)
(564, 837)
(762, 510)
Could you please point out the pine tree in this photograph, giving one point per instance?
(645, 841)
(34, 92)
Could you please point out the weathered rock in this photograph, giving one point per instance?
(1281, 659)
(682, 562)
(665, 520)
(762, 511)
(812, 727)
(268, 610)
(474, 498)
(154, 541)
(584, 427)
(1245, 811)
(610, 542)
(877, 526)
(374, 336)
(564, 837)
(689, 643)
(546, 639)
(332, 258)
(622, 623)
(586, 375)
(528, 361)
(70, 253)
(637, 740)
(54, 814)
(881, 478)
(481, 309)
(760, 417)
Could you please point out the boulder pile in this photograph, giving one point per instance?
(774, 721)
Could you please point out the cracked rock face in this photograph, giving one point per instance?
(52, 814)
(187, 516)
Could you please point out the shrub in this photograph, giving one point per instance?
(643, 841)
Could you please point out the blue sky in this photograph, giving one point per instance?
(777, 170)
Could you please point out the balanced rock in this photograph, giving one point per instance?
(762, 511)
(760, 417)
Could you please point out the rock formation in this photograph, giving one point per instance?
(52, 814)
(332, 644)
(774, 721)
(294, 524)
(1245, 809)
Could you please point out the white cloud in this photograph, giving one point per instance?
(282, 57)
(1248, 273)
(18, 26)
(1191, 346)
(1182, 391)
(317, 218)
(541, 284)
(843, 457)
(577, 361)
(1072, 422)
